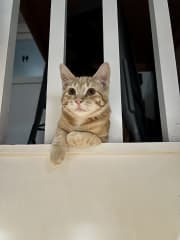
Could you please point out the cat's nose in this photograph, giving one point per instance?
(78, 101)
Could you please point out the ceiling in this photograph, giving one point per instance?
(37, 16)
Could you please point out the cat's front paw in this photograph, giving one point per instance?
(57, 154)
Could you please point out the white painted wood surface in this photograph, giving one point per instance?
(22, 112)
(111, 55)
(112, 191)
(9, 10)
(56, 56)
(166, 72)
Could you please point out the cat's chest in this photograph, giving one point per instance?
(97, 127)
(80, 125)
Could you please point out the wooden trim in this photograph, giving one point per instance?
(27, 80)
(23, 32)
(105, 150)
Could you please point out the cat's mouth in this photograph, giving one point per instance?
(79, 109)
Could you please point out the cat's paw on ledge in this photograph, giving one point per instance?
(57, 154)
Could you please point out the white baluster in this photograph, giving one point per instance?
(56, 56)
(166, 72)
(111, 55)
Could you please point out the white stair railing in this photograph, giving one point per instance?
(166, 71)
(9, 10)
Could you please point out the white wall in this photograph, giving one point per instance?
(24, 99)
(26, 87)
(8, 25)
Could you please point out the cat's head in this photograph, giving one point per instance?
(83, 96)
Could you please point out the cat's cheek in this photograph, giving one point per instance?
(100, 102)
(70, 105)
(93, 108)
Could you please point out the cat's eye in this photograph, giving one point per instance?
(71, 91)
(91, 91)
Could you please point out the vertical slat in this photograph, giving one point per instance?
(9, 10)
(56, 56)
(166, 72)
(111, 55)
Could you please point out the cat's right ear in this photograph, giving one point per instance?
(103, 75)
(66, 75)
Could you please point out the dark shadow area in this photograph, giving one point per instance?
(84, 38)
(139, 91)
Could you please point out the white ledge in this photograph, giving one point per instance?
(110, 192)
(105, 149)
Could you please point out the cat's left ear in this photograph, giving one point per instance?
(103, 75)
(66, 75)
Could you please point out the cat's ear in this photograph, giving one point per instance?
(103, 75)
(66, 75)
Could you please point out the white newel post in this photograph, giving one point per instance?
(166, 72)
(56, 56)
(9, 10)
(111, 55)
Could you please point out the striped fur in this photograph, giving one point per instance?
(85, 113)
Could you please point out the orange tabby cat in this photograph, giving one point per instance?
(85, 114)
